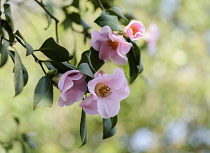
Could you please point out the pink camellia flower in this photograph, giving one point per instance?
(110, 45)
(151, 36)
(134, 30)
(72, 85)
(107, 90)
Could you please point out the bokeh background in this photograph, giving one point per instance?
(169, 105)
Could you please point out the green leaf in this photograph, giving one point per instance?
(4, 53)
(24, 149)
(109, 20)
(114, 121)
(92, 58)
(85, 69)
(76, 18)
(83, 128)
(8, 29)
(18, 74)
(75, 3)
(7, 146)
(28, 46)
(54, 51)
(108, 131)
(62, 67)
(8, 15)
(25, 73)
(28, 141)
(116, 11)
(43, 94)
(49, 7)
(135, 62)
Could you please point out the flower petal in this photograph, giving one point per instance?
(105, 51)
(119, 59)
(108, 106)
(89, 105)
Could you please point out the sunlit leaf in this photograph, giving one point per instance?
(43, 94)
(4, 53)
(27, 45)
(8, 15)
(108, 131)
(18, 74)
(83, 128)
(109, 20)
(54, 51)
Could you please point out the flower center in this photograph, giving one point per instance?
(102, 90)
(113, 44)
(134, 29)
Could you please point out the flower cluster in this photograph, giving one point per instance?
(106, 90)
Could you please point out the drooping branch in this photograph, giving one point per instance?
(37, 60)
(53, 17)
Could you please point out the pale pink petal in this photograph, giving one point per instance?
(89, 105)
(108, 106)
(81, 87)
(61, 102)
(124, 47)
(96, 40)
(123, 92)
(119, 59)
(68, 83)
(81, 80)
(105, 51)
(115, 80)
(63, 77)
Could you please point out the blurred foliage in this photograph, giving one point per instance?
(168, 108)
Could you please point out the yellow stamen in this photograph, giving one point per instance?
(102, 90)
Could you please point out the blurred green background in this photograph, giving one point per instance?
(168, 108)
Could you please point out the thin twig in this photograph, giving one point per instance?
(34, 56)
(54, 18)
(101, 5)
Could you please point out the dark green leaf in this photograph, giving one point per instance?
(28, 46)
(18, 74)
(114, 121)
(117, 11)
(109, 20)
(108, 131)
(76, 18)
(83, 128)
(62, 67)
(75, 3)
(135, 62)
(8, 29)
(54, 51)
(92, 58)
(43, 94)
(4, 53)
(8, 15)
(85, 69)
(16, 120)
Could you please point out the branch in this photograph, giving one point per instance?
(101, 5)
(37, 60)
(54, 18)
